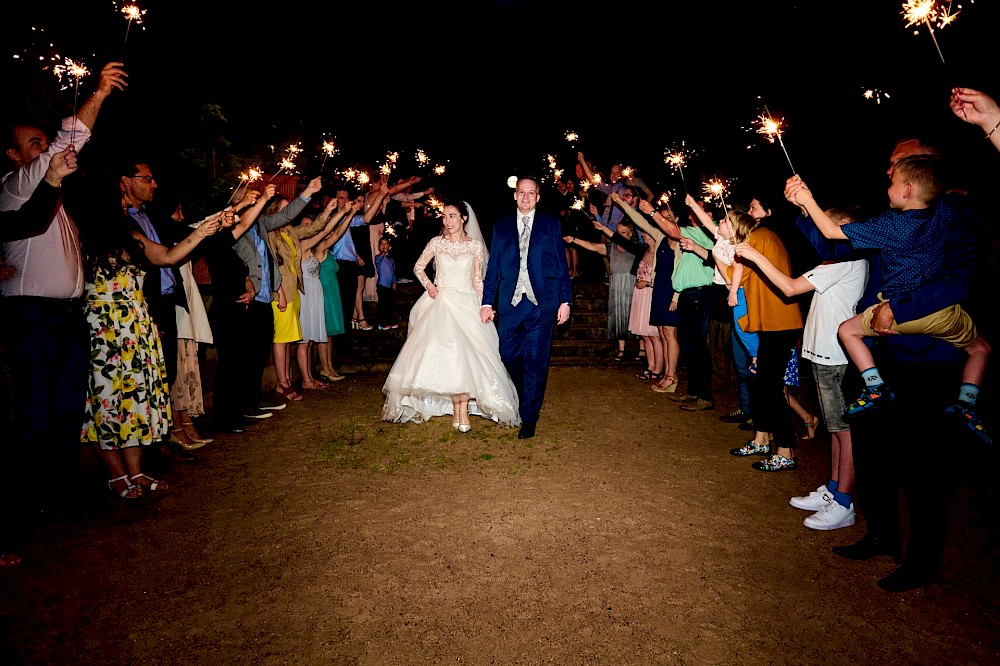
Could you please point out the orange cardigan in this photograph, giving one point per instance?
(767, 308)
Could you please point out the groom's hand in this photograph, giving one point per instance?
(563, 315)
(486, 314)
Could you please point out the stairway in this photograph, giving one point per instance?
(583, 340)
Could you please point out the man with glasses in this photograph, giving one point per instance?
(163, 287)
(46, 338)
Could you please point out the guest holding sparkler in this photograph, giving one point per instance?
(46, 332)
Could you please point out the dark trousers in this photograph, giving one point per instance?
(386, 305)
(230, 324)
(525, 344)
(771, 412)
(347, 281)
(260, 338)
(895, 449)
(47, 347)
(694, 309)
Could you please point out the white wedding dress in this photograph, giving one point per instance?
(448, 350)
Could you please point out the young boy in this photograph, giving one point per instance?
(385, 268)
(838, 287)
(909, 237)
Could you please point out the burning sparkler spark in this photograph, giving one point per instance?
(771, 128)
(929, 12)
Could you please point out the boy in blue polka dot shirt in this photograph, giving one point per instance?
(909, 238)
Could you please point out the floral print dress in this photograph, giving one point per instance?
(128, 400)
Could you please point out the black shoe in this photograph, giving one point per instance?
(748, 426)
(738, 416)
(527, 430)
(257, 414)
(909, 577)
(870, 546)
(271, 406)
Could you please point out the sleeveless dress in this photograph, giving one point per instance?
(332, 308)
(312, 316)
(621, 285)
(448, 350)
(286, 324)
(642, 300)
(663, 288)
(128, 400)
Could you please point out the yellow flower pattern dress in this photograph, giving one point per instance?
(128, 401)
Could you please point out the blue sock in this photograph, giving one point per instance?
(831, 485)
(968, 393)
(843, 499)
(871, 377)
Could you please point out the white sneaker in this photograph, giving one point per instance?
(814, 501)
(831, 517)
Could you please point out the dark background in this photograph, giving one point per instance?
(490, 88)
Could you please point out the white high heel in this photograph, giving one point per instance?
(464, 428)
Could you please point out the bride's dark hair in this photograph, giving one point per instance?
(459, 204)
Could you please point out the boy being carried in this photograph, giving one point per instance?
(908, 237)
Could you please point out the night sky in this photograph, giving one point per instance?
(491, 88)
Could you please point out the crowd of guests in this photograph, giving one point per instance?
(871, 299)
(105, 323)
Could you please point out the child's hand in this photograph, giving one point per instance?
(732, 300)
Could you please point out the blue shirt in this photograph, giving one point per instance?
(909, 244)
(385, 266)
(264, 293)
(167, 282)
(343, 249)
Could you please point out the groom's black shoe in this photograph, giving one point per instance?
(527, 430)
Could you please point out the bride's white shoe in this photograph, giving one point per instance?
(464, 428)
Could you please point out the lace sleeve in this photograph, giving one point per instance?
(477, 269)
(422, 261)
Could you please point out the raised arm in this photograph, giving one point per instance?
(112, 76)
(797, 193)
(703, 217)
(333, 219)
(161, 255)
(250, 214)
(788, 285)
(637, 217)
(343, 224)
(977, 108)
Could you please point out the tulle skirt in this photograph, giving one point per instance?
(449, 351)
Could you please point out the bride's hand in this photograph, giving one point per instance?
(432, 290)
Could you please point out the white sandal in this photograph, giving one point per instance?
(129, 487)
(153, 483)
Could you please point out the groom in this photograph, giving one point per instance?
(527, 283)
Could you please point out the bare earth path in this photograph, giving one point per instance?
(624, 533)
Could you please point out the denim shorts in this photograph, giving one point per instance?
(828, 379)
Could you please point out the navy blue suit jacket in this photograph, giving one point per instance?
(547, 267)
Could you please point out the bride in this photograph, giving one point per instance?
(450, 358)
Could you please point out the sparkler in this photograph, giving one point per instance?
(422, 158)
(875, 94)
(771, 128)
(439, 169)
(927, 12)
(77, 71)
(665, 200)
(253, 174)
(716, 188)
(329, 150)
(572, 137)
(676, 158)
(286, 163)
(133, 14)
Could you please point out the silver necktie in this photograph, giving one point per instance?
(523, 286)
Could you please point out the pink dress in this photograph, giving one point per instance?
(642, 301)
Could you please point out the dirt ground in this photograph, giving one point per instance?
(623, 533)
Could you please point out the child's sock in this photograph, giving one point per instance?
(871, 377)
(831, 485)
(968, 393)
(843, 499)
